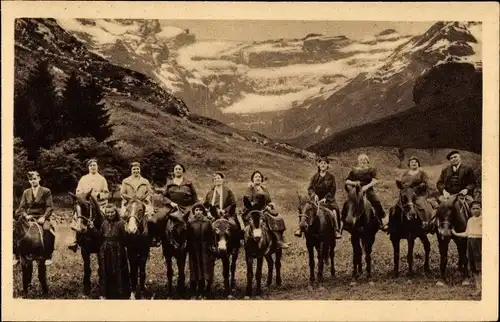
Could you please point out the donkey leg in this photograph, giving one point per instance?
(332, 258)
(409, 256)
(270, 268)
(321, 262)
(258, 276)
(170, 275)
(86, 273)
(443, 254)
(142, 274)
(249, 261)
(27, 268)
(42, 276)
(234, 259)
(462, 257)
(181, 278)
(427, 250)
(134, 268)
(310, 251)
(225, 274)
(396, 249)
(368, 246)
(356, 256)
(277, 264)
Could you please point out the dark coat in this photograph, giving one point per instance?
(466, 180)
(39, 205)
(184, 195)
(228, 199)
(325, 188)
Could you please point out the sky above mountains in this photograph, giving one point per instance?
(258, 30)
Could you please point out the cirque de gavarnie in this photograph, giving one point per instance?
(307, 92)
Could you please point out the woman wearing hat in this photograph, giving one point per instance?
(222, 200)
(418, 179)
(136, 186)
(99, 186)
(36, 202)
(274, 220)
(322, 189)
(366, 176)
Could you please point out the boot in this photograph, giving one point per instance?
(74, 245)
(281, 241)
(298, 233)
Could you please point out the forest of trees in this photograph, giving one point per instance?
(56, 133)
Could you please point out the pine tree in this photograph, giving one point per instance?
(96, 115)
(73, 108)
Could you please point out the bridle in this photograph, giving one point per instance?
(90, 220)
(409, 205)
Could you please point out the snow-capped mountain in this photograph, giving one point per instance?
(387, 90)
(297, 90)
(232, 80)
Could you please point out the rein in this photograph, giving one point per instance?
(90, 220)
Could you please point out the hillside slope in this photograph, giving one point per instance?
(144, 115)
(448, 114)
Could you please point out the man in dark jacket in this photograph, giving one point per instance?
(455, 179)
(36, 202)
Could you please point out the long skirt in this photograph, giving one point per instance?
(113, 264)
(474, 254)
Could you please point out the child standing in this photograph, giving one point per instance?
(113, 264)
(473, 233)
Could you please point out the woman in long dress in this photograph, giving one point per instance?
(99, 186)
(113, 264)
(365, 176)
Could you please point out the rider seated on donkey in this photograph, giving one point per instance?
(36, 203)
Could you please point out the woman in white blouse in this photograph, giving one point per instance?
(99, 186)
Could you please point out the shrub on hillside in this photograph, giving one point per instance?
(62, 165)
(156, 165)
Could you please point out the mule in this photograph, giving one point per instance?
(174, 246)
(319, 230)
(200, 242)
(454, 217)
(88, 226)
(260, 243)
(137, 243)
(31, 246)
(227, 241)
(360, 221)
(406, 224)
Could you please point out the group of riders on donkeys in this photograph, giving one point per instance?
(181, 199)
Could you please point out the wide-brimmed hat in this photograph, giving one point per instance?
(449, 155)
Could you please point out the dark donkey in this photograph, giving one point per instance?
(259, 243)
(88, 226)
(137, 244)
(174, 245)
(406, 223)
(318, 228)
(227, 246)
(448, 218)
(360, 221)
(31, 246)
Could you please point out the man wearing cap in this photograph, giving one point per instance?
(95, 182)
(455, 179)
(136, 186)
(36, 202)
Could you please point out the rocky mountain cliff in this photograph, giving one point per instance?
(44, 39)
(143, 113)
(388, 90)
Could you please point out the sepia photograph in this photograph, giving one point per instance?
(236, 159)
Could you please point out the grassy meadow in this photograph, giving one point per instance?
(287, 175)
